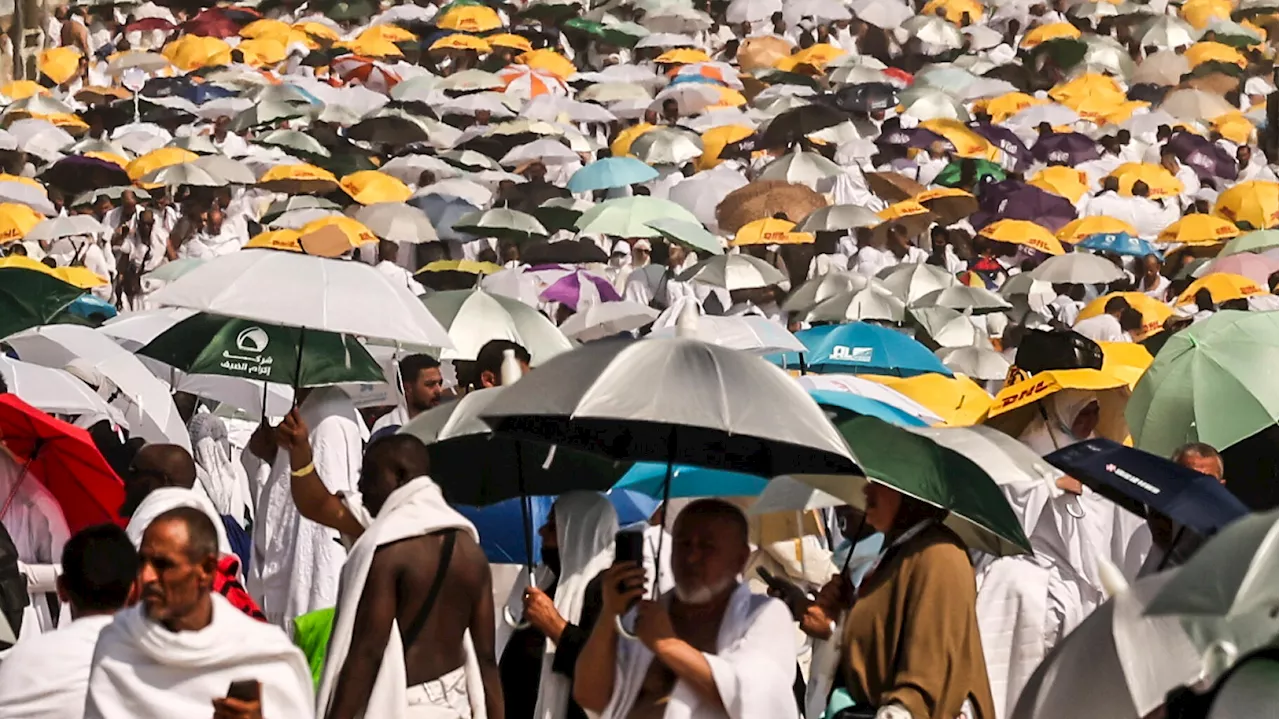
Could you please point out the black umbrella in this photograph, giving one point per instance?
(916, 137)
(565, 252)
(1148, 92)
(1005, 139)
(867, 97)
(793, 125)
(79, 173)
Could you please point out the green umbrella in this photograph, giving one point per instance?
(629, 216)
(209, 344)
(1066, 52)
(1256, 241)
(560, 213)
(30, 299)
(1214, 382)
(950, 175)
(692, 235)
(919, 467)
(611, 35)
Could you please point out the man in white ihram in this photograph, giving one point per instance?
(710, 649)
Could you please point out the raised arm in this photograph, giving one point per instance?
(593, 675)
(313, 499)
(369, 635)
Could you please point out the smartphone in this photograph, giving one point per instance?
(628, 546)
(245, 690)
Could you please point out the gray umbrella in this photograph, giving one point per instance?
(838, 218)
(293, 140)
(184, 173)
(225, 168)
(397, 222)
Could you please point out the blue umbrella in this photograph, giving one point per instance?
(1120, 243)
(861, 348)
(688, 481)
(700, 79)
(91, 308)
(865, 406)
(609, 173)
(501, 527)
(443, 211)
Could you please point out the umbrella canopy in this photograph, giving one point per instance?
(578, 289)
(396, 222)
(733, 272)
(30, 298)
(862, 348)
(866, 305)
(977, 362)
(598, 321)
(629, 217)
(475, 317)
(1120, 243)
(1231, 575)
(609, 173)
(1079, 268)
(756, 335)
(692, 236)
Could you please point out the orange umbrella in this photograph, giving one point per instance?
(514, 42)
(1159, 181)
(1052, 31)
(299, 179)
(1201, 13)
(370, 186)
(1009, 104)
(682, 56)
(1210, 51)
(1077, 230)
(967, 142)
(770, 231)
(1062, 181)
(156, 159)
(1222, 286)
(1154, 312)
(1022, 232)
(1254, 202)
(550, 61)
(716, 139)
(1198, 229)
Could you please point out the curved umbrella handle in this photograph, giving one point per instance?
(511, 620)
(622, 629)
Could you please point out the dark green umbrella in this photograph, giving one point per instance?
(210, 344)
(919, 467)
(30, 299)
(950, 175)
(1066, 52)
(601, 32)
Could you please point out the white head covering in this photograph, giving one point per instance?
(1051, 431)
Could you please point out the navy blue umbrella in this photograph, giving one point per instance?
(1016, 200)
(1135, 480)
(917, 137)
(1006, 140)
(1065, 148)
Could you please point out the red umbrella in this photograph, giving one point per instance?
(213, 22)
(63, 458)
(148, 24)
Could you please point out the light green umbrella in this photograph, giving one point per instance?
(170, 271)
(209, 344)
(1256, 241)
(293, 140)
(501, 223)
(919, 467)
(1215, 382)
(690, 234)
(630, 217)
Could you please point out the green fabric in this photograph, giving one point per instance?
(311, 634)
(1256, 241)
(950, 175)
(839, 700)
(30, 299)
(209, 344)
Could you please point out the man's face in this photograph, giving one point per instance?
(102, 208)
(708, 554)
(424, 392)
(1201, 464)
(173, 585)
(1151, 266)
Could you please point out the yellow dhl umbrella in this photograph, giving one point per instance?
(1009, 104)
(1088, 85)
(682, 56)
(1255, 202)
(267, 27)
(462, 42)
(958, 400)
(716, 139)
(1015, 406)
(1159, 181)
(729, 97)
(374, 47)
(156, 159)
(967, 142)
(82, 277)
(1197, 229)
(16, 221)
(470, 267)
(353, 231)
(22, 89)
(192, 52)
(286, 240)
(317, 31)
(1201, 13)
(370, 186)
(1126, 360)
(60, 63)
(548, 60)
(770, 231)
(1065, 182)
(1117, 114)
(1077, 230)
(390, 33)
(621, 146)
(1222, 286)
(949, 203)
(508, 40)
(1235, 127)
(819, 56)
(1052, 31)
(22, 262)
(1022, 232)
(1154, 312)
(263, 51)
(1210, 51)
(902, 210)
(470, 18)
(71, 123)
(301, 178)
(955, 10)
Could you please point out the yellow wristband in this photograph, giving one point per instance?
(311, 467)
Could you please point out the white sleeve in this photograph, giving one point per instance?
(754, 677)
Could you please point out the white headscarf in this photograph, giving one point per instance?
(223, 480)
(1051, 431)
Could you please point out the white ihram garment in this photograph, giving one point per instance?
(45, 677)
(164, 499)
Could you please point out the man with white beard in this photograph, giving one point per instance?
(707, 650)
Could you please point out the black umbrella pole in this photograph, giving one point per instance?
(264, 401)
(35, 450)
(297, 369)
(666, 501)
(526, 513)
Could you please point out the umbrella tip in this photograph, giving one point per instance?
(511, 370)
(687, 321)
(1113, 581)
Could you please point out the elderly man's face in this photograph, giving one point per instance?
(173, 583)
(1204, 465)
(708, 554)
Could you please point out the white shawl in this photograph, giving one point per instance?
(413, 510)
(296, 561)
(138, 666)
(754, 665)
(227, 488)
(46, 675)
(162, 500)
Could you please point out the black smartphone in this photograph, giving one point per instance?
(245, 690)
(628, 546)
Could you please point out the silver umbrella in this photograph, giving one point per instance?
(910, 282)
(1080, 268)
(184, 173)
(949, 328)
(667, 146)
(803, 168)
(822, 288)
(65, 226)
(397, 222)
(978, 363)
(225, 168)
(836, 218)
(868, 304)
(733, 272)
(292, 140)
(977, 300)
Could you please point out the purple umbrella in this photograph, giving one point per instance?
(1065, 148)
(1016, 200)
(1003, 138)
(1207, 159)
(579, 289)
(917, 137)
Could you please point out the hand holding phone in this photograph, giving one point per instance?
(243, 701)
(794, 597)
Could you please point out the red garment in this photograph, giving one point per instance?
(226, 581)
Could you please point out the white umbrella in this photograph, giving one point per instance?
(552, 108)
(754, 334)
(297, 290)
(243, 394)
(474, 317)
(665, 39)
(949, 328)
(409, 168)
(702, 193)
(41, 138)
(980, 363)
(934, 31)
(784, 494)
(1007, 460)
(23, 194)
(606, 92)
(911, 281)
(142, 397)
(836, 218)
(884, 14)
(931, 104)
(675, 19)
(184, 173)
(517, 284)
(1080, 268)
(65, 226)
(733, 272)
(54, 390)
(297, 219)
(817, 290)
(226, 169)
(1193, 105)
(740, 11)
(868, 304)
(822, 11)
(870, 390)
(546, 151)
(490, 102)
(460, 187)
(1166, 33)
(978, 300)
(803, 168)
(469, 81)
(133, 330)
(606, 319)
(1053, 114)
(397, 222)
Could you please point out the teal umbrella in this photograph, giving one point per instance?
(30, 299)
(210, 344)
(609, 173)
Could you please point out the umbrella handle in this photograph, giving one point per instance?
(626, 633)
(511, 620)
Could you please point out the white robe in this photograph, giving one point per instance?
(143, 671)
(164, 499)
(296, 562)
(413, 510)
(46, 676)
(38, 529)
(754, 666)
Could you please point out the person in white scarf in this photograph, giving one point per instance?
(176, 653)
(457, 630)
(296, 561)
(223, 480)
(38, 529)
(577, 545)
(707, 650)
(1066, 417)
(45, 676)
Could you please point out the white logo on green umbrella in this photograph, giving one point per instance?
(252, 342)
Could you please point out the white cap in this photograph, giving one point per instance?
(621, 248)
